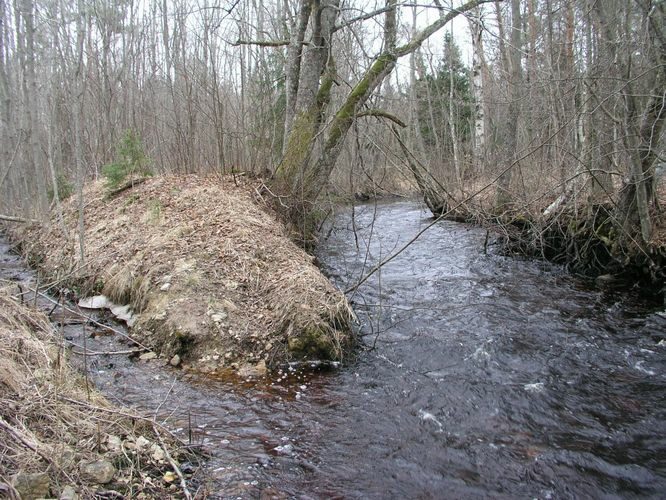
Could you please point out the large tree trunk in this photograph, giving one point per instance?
(32, 107)
(604, 66)
(302, 175)
(478, 73)
(642, 139)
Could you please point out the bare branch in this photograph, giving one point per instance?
(262, 43)
(380, 113)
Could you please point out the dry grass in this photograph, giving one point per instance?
(212, 273)
(50, 422)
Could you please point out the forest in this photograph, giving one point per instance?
(550, 112)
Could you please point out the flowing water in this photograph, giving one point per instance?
(482, 376)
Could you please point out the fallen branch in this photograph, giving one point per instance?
(17, 435)
(96, 323)
(174, 464)
(101, 353)
(11, 218)
(127, 185)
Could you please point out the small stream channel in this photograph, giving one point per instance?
(485, 376)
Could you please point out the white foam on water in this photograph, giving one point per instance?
(429, 417)
(535, 387)
(639, 366)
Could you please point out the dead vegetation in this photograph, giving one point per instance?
(58, 436)
(210, 274)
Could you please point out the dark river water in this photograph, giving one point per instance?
(482, 376)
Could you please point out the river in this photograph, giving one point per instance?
(481, 376)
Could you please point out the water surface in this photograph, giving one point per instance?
(481, 376)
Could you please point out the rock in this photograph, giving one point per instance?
(260, 367)
(229, 306)
(218, 317)
(258, 370)
(148, 356)
(64, 456)
(165, 287)
(161, 316)
(69, 493)
(97, 472)
(114, 443)
(231, 285)
(608, 281)
(142, 443)
(96, 302)
(32, 486)
(157, 453)
(175, 361)
(123, 313)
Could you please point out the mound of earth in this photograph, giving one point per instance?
(208, 271)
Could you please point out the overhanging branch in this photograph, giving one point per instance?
(262, 43)
(380, 113)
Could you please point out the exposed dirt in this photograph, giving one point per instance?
(209, 272)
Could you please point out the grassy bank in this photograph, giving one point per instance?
(209, 273)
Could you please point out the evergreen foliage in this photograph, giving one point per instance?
(434, 100)
(65, 188)
(131, 162)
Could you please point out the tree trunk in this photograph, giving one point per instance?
(301, 176)
(478, 68)
(32, 106)
(510, 133)
(642, 140)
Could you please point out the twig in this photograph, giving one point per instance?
(136, 416)
(102, 353)
(174, 465)
(10, 218)
(17, 435)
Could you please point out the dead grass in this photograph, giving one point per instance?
(50, 423)
(212, 274)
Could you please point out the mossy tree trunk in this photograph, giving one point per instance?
(307, 164)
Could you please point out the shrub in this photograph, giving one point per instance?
(131, 162)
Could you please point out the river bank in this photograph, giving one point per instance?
(209, 276)
(594, 241)
(484, 376)
(59, 437)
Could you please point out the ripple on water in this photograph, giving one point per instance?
(487, 377)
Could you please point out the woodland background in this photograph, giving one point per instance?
(561, 104)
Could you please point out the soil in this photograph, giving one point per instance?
(210, 274)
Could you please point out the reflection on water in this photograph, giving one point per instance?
(489, 377)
